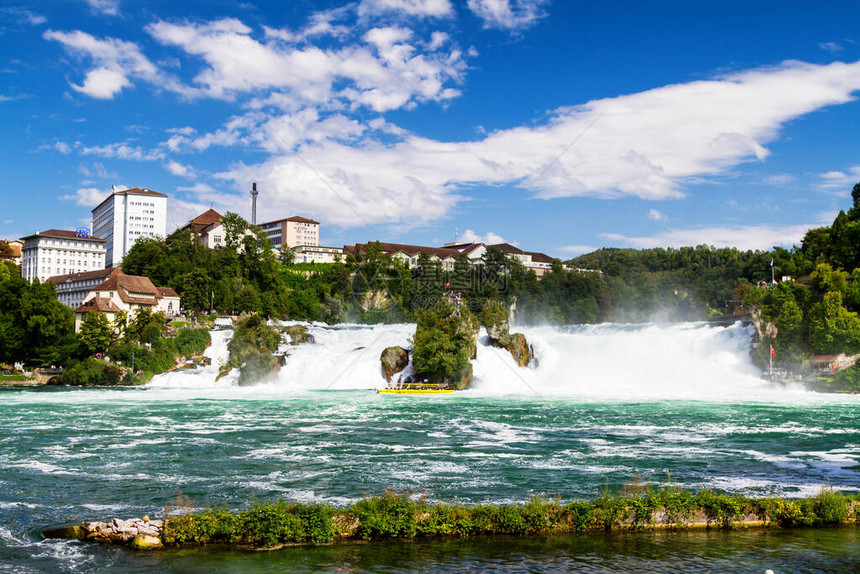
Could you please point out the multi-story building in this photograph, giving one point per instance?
(121, 292)
(72, 288)
(292, 232)
(59, 252)
(540, 263)
(125, 217)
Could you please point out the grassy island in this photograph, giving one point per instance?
(403, 517)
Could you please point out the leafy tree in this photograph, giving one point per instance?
(235, 227)
(96, 332)
(833, 329)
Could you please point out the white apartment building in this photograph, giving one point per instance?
(60, 252)
(125, 217)
(292, 232)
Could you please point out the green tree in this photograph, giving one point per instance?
(96, 332)
(235, 227)
(196, 290)
(834, 329)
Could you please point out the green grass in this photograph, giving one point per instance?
(400, 516)
(14, 378)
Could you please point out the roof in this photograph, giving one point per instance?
(63, 234)
(507, 248)
(166, 292)
(133, 191)
(540, 257)
(298, 219)
(412, 250)
(204, 220)
(125, 285)
(101, 304)
(85, 276)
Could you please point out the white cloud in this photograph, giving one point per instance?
(647, 144)
(744, 237)
(385, 72)
(831, 47)
(432, 8)
(115, 61)
(123, 151)
(655, 215)
(89, 196)
(839, 181)
(103, 83)
(508, 14)
(180, 169)
(107, 7)
(489, 238)
(63, 148)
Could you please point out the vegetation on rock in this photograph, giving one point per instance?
(401, 516)
(445, 341)
(252, 349)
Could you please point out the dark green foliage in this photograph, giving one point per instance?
(34, 327)
(401, 516)
(263, 525)
(444, 343)
(91, 372)
(190, 342)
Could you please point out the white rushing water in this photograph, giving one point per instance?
(687, 361)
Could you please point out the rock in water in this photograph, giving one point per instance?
(519, 348)
(393, 360)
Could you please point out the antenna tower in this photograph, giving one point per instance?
(254, 193)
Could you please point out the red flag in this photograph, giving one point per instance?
(772, 352)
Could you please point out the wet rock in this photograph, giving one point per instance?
(519, 348)
(393, 360)
(297, 334)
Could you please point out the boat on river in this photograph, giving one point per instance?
(416, 389)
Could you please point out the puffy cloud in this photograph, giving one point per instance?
(103, 83)
(488, 237)
(508, 14)
(90, 196)
(646, 144)
(115, 61)
(384, 73)
(180, 169)
(744, 237)
(655, 215)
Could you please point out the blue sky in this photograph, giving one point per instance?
(560, 126)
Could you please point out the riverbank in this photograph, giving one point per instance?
(400, 516)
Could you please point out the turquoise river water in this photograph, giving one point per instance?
(605, 404)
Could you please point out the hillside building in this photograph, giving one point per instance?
(208, 228)
(58, 252)
(121, 292)
(125, 217)
(292, 232)
(73, 288)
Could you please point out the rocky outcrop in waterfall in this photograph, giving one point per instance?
(496, 318)
(252, 350)
(393, 360)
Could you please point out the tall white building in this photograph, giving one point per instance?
(125, 217)
(60, 252)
